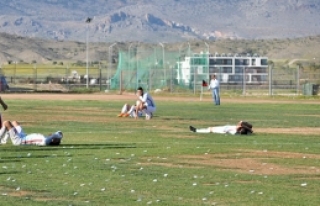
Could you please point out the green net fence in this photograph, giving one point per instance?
(151, 68)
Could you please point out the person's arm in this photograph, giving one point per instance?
(144, 98)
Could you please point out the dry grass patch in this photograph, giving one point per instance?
(247, 161)
(253, 162)
(292, 130)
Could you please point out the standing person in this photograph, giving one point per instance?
(18, 137)
(146, 104)
(215, 88)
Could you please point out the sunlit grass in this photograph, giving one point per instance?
(106, 160)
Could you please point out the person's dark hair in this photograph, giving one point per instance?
(55, 141)
(140, 88)
(243, 131)
(245, 128)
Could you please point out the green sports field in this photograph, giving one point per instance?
(107, 160)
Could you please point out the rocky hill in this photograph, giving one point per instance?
(30, 50)
(160, 21)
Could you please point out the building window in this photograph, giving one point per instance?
(227, 70)
(264, 62)
(253, 62)
(238, 70)
(219, 61)
(212, 62)
(213, 70)
(227, 62)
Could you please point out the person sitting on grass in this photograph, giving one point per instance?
(242, 128)
(146, 104)
(129, 110)
(18, 137)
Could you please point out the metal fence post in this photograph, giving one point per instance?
(35, 77)
(120, 82)
(244, 81)
(298, 79)
(270, 79)
(67, 78)
(100, 76)
(171, 80)
(194, 80)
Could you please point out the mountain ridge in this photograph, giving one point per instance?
(161, 21)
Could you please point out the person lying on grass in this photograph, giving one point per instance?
(18, 137)
(242, 128)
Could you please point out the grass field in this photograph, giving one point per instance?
(106, 160)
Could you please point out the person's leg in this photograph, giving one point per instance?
(19, 129)
(15, 139)
(149, 112)
(132, 110)
(3, 130)
(139, 108)
(202, 130)
(124, 110)
(216, 96)
(217, 129)
(4, 105)
(213, 96)
(4, 138)
(4, 135)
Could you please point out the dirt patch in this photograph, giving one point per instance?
(293, 130)
(171, 165)
(269, 154)
(257, 165)
(165, 97)
(6, 191)
(246, 161)
(16, 193)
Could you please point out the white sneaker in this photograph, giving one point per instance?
(148, 117)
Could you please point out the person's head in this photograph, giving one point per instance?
(140, 91)
(213, 76)
(56, 139)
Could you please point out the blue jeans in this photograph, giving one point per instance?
(215, 96)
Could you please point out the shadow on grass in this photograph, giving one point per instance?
(67, 146)
(10, 172)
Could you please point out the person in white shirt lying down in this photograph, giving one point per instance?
(14, 131)
(242, 128)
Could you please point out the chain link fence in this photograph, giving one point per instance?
(280, 81)
(24, 78)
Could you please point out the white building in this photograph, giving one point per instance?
(229, 68)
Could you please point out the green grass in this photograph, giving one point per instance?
(106, 160)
